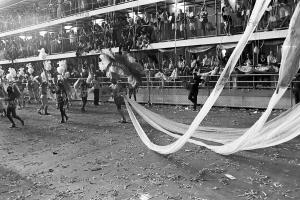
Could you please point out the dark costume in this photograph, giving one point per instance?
(12, 105)
(62, 101)
(118, 98)
(194, 90)
(296, 88)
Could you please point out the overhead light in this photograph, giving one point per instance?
(23, 37)
(74, 29)
(224, 52)
(98, 21)
(131, 14)
(43, 33)
(68, 27)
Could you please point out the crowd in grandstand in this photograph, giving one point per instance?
(128, 30)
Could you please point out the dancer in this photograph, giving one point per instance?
(2, 97)
(21, 87)
(67, 86)
(61, 98)
(296, 88)
(81, 86)
(117, 91)
(12, 95)
(132, 90)
(96, 85)
(44, 98)
(194, 90)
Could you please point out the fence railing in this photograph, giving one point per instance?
(237, 81)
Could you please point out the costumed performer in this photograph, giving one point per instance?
(61, 98)
(117, 92)
(2, 98)
(81, 87)
(12, 94)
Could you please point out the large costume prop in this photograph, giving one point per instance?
(261, 134)
(117, 66)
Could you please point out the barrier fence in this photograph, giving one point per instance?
(242, 89)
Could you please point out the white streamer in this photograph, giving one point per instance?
(246, 141)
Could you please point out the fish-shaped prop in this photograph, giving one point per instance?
(117, 66)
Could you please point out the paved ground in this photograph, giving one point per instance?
(95, 157)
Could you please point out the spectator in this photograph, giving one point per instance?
(164, 24)
(181, 63)
(193, 62)
(271, 59)
(205, 63)
(192, 21)
(262, 60)
(172, 22)
(203, 19)
(226, 14)
(52, 9)
(284, 15)
(181, 23)
(248, 61)
(161, 76)
(154, 25)
(60, 9)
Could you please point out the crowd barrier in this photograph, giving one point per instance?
(243, 90)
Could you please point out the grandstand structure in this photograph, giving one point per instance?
(161, 34)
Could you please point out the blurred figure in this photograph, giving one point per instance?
(132, 90)
(117, 92)
(194, 90)
(62, 100)
(12, 95)
(96, 85)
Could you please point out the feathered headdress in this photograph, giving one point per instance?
(42, 54)
(47, 65)
(11, 74)
(30, 69)
(62, 67)
(1, 71)
(116, 66)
